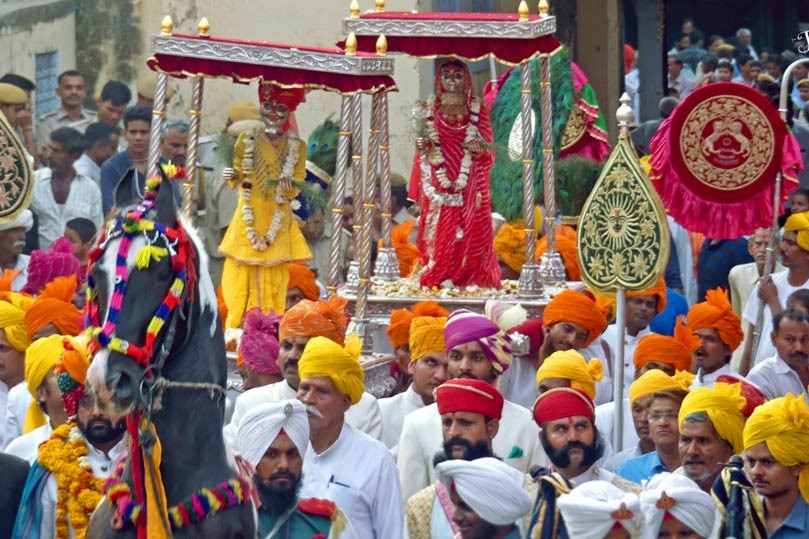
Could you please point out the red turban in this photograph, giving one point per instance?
(675, 351)
(468, 395)
(532, 330)
(291, 97)
(717, 314)
(658, 289)
(316, 318)
(562, 402)
(570, 306)
(751, 393)
(54, 305)
(400, 319)
(303, 279)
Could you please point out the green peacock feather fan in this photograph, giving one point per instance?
(506, 174)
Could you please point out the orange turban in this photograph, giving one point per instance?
(427, 336)
(316, 318)
(6, 281)
(406, 252)
(400, 320)
(717, 314)
(675, 351)
(303, 279)
(570, 306)
(509, 244)
(566, 247)
(658, 289)
(54, 305)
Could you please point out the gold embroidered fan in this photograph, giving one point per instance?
(16, 174)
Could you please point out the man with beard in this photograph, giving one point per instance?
(711, 425)
(566, 418)
(344, 465)
(776, 446)
(59, 495)
(774, 292)
(788, 370)
(301, 323)
(477, 349)
(470, 413)
(488, 496)
(720, 332)
(273, 439)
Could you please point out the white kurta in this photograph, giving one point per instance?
(775, 378)
(3, 403)
(84, 200)
(18, 399)
(359, 475)
(21, 266)
(630, 344)
(709, 379)
(605, 423)
(517, 443)
(765, 346)
(101, 463)
(363, 416)
(27, 445)
(519, 383)
(393, 410)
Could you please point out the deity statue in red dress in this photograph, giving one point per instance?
(450, 181)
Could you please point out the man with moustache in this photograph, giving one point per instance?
(301, 323)
(470, 413)
(477, 349)
(788, 370)
(12, 242)
(776, 447)
(571, 321)
(774, 292)
(711, 425)
(720, 333)
(346, 466)
(90, 440)
(273, 439)
(566, 417)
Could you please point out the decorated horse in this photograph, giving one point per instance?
(159, 360)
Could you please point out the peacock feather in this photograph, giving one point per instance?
(321, 162)
(506, 174)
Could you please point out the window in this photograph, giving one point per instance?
(47, 74)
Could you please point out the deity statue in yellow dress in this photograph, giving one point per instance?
(263, 236)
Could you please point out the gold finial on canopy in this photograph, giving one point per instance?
(544, 7)
(382, 45)
(522, 11)
(351, 44)
(354, 9)
(166, 25)
(204, 27)
(380, 5)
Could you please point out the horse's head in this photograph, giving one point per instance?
(143, 271)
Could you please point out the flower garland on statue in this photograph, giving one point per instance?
(261, 243)
(78, 491)
(436, 157)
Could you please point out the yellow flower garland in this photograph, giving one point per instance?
(78, 490)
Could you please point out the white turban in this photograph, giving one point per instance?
(260, 427)
(25, 219)
(591, 510)
(682, 498)
(493, 489)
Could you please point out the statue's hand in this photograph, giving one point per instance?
(424, 144)
(285, 183)
(475, 148)
(228, 173)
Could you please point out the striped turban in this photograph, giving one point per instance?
(316, 318)
(427, 336)
(716, 313)
(575, 307)
(464, 326)
(571, 365)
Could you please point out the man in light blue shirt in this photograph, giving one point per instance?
(664, 406)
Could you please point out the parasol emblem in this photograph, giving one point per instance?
(16, 174)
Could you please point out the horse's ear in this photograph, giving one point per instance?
(125, 190)
(164, 205)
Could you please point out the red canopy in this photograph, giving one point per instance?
(472, 36)
(289, 66)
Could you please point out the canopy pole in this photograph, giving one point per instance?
(340, 173)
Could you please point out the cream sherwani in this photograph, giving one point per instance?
(394, 409)
(27, 446)
(363, 416)
(18, 399)
(743, 279)
(517, 443)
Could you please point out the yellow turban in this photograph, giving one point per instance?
(799, 222)
(509, 244)
(324, 357)
(572, 366)
(724, 404)
(12, 313)
(243, 110)
(656, 380)
(783, 424)
(427, 336)
(40, 358)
